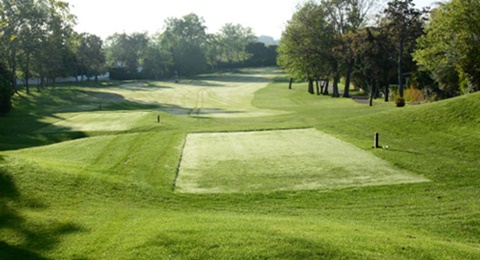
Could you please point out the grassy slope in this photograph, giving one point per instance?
(110, 195)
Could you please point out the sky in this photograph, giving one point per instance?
(106, 17)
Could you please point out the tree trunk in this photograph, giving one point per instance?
(325, 92)
(318, 88)
(346, 91)
(336, 79)
(290, 84)
(372, 90)
(387, 93)
(310, 86)
(400, 81)
(27, 86)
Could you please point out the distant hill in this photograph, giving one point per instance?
(268, 40)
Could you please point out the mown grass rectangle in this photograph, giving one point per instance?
(303, 159)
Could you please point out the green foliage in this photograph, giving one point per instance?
(90, 55)
(261, 55)
(305, 49)
(233, 41)
(450, 44)
(35, 38)
(186, 38)
(404, 23)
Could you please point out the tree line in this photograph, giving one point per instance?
(438, 50)
(38, 40)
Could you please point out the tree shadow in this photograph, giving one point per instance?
(236, 78)
(23, 238)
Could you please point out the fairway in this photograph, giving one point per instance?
(225, 96)
(304, 159)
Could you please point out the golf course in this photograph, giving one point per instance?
(235, 165)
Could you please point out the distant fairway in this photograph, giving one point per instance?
(303, 159)
(224, 96)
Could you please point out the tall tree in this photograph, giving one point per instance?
(451, 44)
(90, 55)
(30, 36)
(346, 16)
(158, 61)
(127, 51)
(261, 55)
(233, 41)
(405, 23)
(186, 38)
(13, 18)
(306, 46)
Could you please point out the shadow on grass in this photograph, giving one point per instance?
(24, 238)
(401, 151)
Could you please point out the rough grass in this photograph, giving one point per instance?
(303, 159)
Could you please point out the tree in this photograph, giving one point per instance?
(34, 33)
(306, 47)
(55, 59)
(186, 39)
(261, 55)
(127, 52)
(30, 36)
(374, 60)
(450, 47)
(157, 62)
(346, 16)
(233, 41)
(90, 55)
(405, 24)
(13, 16)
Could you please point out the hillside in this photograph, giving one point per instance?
(75, 187)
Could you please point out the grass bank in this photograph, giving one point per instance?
(73, 192)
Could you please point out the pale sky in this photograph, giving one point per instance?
(106, 17)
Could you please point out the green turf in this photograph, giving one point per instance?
(304, 159)
(74, 187)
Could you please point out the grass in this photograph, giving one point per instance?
(303, 159)
(103, 192)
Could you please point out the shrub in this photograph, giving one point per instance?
(400, 102)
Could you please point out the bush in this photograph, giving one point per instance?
(400, 102)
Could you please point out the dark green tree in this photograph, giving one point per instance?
(90, 55)
(233, 41)
(306, 47)
(405, 24)
(186, 39)
(261, 55)
(125, 53)
(450, 47)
